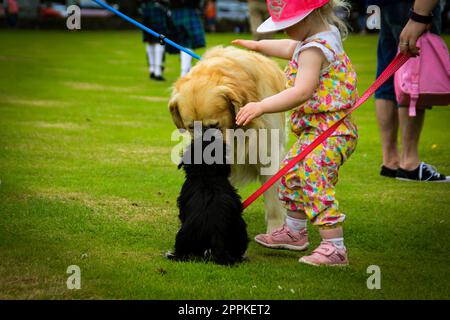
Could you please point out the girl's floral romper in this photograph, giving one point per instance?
(310, 185)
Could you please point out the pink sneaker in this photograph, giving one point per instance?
(284, 238)
(326, 254)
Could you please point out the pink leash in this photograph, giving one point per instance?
(398, 61)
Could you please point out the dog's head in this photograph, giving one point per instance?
(206, 158)
(215, 107)
(212, 93)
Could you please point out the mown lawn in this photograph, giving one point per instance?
(86, 179)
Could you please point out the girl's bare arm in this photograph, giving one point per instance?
(283, 48)
(310, 63)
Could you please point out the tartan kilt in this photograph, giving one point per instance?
(155, 18)
(189, 28)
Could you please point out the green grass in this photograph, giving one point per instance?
(86, 179)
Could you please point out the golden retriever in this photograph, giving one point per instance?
(225, 80)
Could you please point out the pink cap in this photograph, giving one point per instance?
(286, 13)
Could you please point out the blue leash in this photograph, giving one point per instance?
(161, 37)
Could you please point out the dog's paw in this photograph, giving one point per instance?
(170, 255)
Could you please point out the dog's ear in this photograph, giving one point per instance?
(236, 102)
(173, 108)
(180, 165)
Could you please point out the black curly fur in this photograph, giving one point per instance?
(210, 213)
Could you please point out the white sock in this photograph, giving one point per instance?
(338, 242)
(296, 224)
(151, 57)
(159, 56)
(185, 63)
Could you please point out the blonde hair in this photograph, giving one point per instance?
(328, 14)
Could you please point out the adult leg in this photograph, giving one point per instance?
(387, 116)
(385, 103)
(159, 56)
(411, 168)
(410, 128)
(150, 49)
(255, 18)
(263, 15)
(186, 61)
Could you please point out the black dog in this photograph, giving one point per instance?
(210, 210)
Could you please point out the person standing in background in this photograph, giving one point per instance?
(154, 14)
(211, 15)
(189, 27)
(358, 15)
(418, 17)
(257, 9)
(12, 12)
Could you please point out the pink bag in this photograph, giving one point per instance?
(424, 81)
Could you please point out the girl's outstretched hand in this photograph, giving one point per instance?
(249, 112)
(249, 44)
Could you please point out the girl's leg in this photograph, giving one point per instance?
(292, 235)
(296, 220)
(322, 207)
(331, 251)
(335, 236)
(297, 214)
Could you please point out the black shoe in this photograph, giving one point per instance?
(152, 75)
(388, 172)
(159, 78)
(424, 172)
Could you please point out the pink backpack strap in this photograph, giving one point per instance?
(414, 95)
(415, 78)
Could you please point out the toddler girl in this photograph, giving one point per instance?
(321, 85)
